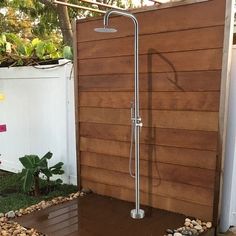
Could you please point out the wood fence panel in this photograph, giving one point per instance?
(181, 52)
(170, 81)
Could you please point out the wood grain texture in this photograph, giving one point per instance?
(209, 59)
(186, 192)
(172, 81)
(188, 101)
(171, 155)
(193, 39)
(202, 140)
(171, 19)
(153, 169)
(180, 56)
(192, 120)
(170, 204)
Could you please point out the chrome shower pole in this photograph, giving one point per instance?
(136, 213)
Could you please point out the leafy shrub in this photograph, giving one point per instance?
(15, 51)
(33, 167)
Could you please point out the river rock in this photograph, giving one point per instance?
(199, 221)
(194, 222)
(186, 232)
(208, 225)
(180, 229)
(194, 232)
(86, 190)
(187, 223)
(178, 234)
(169, 231)
(198, 227)
(10, 214)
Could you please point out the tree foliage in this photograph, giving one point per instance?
(42, 18)
(15, 51)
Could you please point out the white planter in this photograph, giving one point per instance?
(39, 113)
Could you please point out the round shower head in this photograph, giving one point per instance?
(105, 30)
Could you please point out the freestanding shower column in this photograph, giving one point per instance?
(136, 213)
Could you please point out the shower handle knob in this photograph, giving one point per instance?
(139, 123)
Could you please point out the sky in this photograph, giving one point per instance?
(147, 2)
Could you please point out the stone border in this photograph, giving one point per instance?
(190, 228)
(9, 227)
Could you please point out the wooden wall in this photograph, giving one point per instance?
(180, 72)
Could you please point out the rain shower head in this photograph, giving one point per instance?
(105, 30)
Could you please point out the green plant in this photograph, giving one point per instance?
(12, 196)
(18, 51)
(33, 167)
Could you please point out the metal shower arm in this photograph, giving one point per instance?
(119, 12)
(136, 53)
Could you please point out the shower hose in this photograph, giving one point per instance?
(131, 141)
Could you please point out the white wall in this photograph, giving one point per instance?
(39, 113)
(228, 211)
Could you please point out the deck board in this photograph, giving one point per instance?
(95, 215)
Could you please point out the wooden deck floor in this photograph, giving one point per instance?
(95, 215)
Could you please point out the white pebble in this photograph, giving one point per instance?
(177, 234)
(208, 225)
(198, 227)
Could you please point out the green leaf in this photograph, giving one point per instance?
(40, 50)
(43, 161)
(46, 172)
(35, 42)
(8, 47)
(48, 155)
(58, 165)
(59, 181)
(67, 53)
(50, 47)
(28, 161)
(20, 62)
(3, 39)
(28, 179)
(57, 172)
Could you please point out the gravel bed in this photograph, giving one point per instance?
(8, 227)
(191, 228)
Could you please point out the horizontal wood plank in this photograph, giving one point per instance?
(193, 39)
(189, 101)
(202, 140)
(163, 188)
(172, 81)
(192, 120)
(180, 174)
(205, 14)
(171, 155)
(174, 205)
(180, 63)
(154, 62)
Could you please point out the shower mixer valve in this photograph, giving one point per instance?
(139, 123)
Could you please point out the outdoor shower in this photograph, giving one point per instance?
(136, 213)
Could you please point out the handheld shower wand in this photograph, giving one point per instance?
(136, 213)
